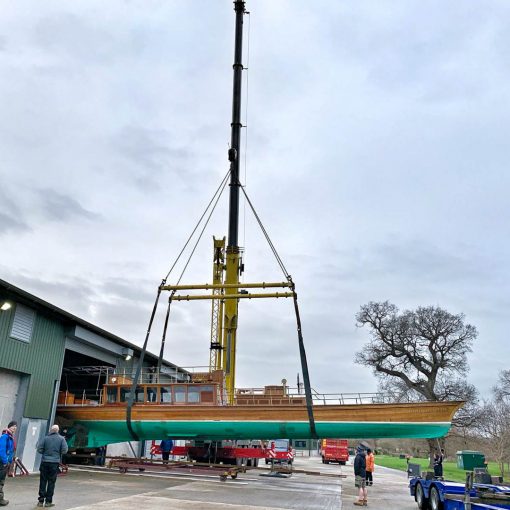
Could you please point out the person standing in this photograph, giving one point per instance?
(7, 449)
(360, 475)
(438, 463)
(52, 448)
(370, 461)
(166, 446)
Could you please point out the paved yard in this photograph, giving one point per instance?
(81, 489)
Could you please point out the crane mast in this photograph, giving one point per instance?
(233, 258)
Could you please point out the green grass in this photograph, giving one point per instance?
(450, 469)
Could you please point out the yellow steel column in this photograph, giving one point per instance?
(230, 322)
(215, 354)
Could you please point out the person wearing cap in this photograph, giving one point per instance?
(52, 447)
(7, 449)
(360, 475)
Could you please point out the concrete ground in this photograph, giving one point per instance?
(82, 489)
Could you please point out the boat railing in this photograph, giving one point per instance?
(285, 394)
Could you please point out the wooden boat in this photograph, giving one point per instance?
(197, 410)
(209, 406)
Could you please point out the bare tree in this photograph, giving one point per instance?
(419, 354)
(502, 389)
(495, 428)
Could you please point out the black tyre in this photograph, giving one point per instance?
(342, 462)
(323, 460)
(255, 462)
(419, 496)
(435, 499)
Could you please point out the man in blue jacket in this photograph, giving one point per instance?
(166, 446)
(7, 447)
(52, 447)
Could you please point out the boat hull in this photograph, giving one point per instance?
(104, 425)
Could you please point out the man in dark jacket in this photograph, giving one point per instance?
(438, 463)
(52, 448)
(360, 475)
(7, 448)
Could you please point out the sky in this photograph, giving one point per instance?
(375, 152)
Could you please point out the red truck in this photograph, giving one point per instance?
(334, 450)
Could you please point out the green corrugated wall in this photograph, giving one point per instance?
(41, 358)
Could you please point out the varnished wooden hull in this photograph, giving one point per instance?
(107, 424)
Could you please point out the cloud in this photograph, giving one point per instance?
(63, 208)
(10, 223)
(11, 218)
(149, 153)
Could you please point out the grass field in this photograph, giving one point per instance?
(450, 469)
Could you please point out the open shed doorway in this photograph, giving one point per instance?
(83, 378)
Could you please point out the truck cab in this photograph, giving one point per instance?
(283, 452)
(334, 450)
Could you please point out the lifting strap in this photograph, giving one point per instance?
(131, 397)
(302, 352)
(163, 338)
(304, 365)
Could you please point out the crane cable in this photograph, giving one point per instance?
(163, 339)
(131, 397)
(302, 351)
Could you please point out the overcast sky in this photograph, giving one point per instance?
(377, 158)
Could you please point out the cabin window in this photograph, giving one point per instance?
(111, 395)
(152, 393)
(180, 394)
(166, 394)
(207, 394)
(193, 394)
(124, 394)
(139, 394)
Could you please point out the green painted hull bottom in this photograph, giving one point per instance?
(105, 432)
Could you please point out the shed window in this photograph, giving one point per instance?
(23, 323)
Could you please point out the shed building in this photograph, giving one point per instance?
(46, 351)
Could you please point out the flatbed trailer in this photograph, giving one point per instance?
(438, 494)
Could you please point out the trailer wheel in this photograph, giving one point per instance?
(342, 462)
(435, 499)
(423, 502)
(323, 460)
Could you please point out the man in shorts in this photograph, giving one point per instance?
(360, 475)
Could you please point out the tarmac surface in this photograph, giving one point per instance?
(82, 489)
